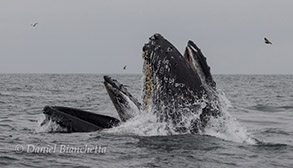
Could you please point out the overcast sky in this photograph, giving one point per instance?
(93, 36)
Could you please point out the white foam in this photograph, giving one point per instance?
(49, 126)
(144, 124)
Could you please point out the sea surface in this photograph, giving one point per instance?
(257, 131)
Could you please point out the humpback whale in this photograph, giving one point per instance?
(178, 89)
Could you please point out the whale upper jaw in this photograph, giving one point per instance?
(126, 105)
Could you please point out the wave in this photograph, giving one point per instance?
(268, 108)
(273, 146)
(274, 131)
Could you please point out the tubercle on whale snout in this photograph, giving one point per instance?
(152, 44)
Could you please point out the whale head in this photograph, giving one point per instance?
(172, 88)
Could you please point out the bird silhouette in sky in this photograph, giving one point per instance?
(34, 25)
(124, 67)
(267, 41)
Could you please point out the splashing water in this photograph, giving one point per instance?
(144, 124)
(227, 128)
(224, 127)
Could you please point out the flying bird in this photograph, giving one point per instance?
(34, 25)
(267, 41)
(124, 67)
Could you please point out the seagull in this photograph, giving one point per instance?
(34, 25)
(124, 67)
(267, 41)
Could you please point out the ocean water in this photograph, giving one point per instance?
(257, 130)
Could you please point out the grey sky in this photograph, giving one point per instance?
(83, 36)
